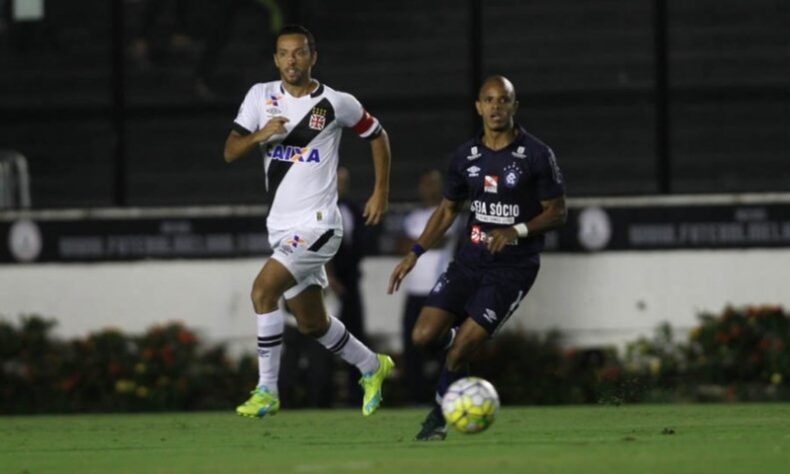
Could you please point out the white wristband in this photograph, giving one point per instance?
(521, 230)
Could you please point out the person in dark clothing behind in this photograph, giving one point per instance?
(418, 285)
(142, 44)
(307, 373)
(344, 271)
(222, 21)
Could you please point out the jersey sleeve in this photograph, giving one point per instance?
(455, 186)
(351, 114)
(549, 180)
(247, 119)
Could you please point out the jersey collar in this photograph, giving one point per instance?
(519, 140)
(317, 92)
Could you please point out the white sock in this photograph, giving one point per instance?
(270, 346)
(341, 342)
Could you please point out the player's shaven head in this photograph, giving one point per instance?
(297, 30)
(501, 81)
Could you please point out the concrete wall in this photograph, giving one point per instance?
(615, 297)
(604, 298)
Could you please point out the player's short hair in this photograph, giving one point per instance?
(500, 80)
(294, 29)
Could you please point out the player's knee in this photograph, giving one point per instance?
(313, 328)
(264, 301)
(423, 338)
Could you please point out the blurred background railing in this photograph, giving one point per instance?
(14, 181)
(128, 102)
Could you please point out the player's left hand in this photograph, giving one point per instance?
(400, 272)
(375, 209)
(499, 238)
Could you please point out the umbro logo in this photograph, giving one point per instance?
(490, 315)
(474, 171)
(440, 284)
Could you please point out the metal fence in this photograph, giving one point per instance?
(14, 181)
(635, 96)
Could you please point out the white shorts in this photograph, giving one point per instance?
(304, 252)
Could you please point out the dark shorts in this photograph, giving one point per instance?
(487, 295)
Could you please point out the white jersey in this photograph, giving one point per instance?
(301, 165)
(434, 261)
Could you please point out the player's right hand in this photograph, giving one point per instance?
(275, 126)
(400, 272)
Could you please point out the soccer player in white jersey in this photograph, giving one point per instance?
(297, 123)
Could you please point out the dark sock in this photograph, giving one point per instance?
(446, 340)
(439, 348)
(446, 378)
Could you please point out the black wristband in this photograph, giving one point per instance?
(417, 249)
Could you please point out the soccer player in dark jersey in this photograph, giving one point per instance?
(517, 193)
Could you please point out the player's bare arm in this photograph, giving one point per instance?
(441, 220)
(553, 216)
(238, 145)
(378, 204)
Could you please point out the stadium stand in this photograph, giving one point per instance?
(586, 72)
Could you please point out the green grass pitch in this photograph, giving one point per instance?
(672, 439)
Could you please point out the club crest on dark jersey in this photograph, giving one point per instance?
(512, 175)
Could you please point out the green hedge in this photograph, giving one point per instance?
(741, 354)
(166, 368)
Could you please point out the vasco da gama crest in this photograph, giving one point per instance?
(317, 118)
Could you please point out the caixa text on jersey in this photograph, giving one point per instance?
(293, 153)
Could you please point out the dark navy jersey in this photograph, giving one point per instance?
(504, 187)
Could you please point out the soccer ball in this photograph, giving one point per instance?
(470, 404)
